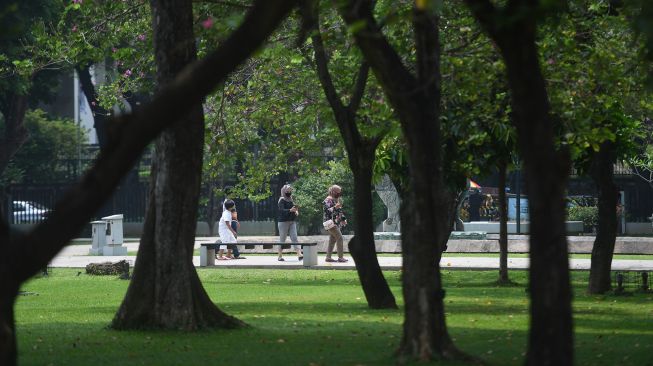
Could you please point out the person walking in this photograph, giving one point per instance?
(334, 220)
(288, 213)
(235, 224)
(227, 233)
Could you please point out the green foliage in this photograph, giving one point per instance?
(311, 189)
(270, 118)
(590, 58)
(51, 143)
(589, 215)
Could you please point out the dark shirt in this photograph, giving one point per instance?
(284, 211)
(333, 213)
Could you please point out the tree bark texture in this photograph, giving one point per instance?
(362, 247)
(606, 232)
(425, 207)
(26, 254)
(503, 224)
(165, 291)
(361, 154)
(513, 29)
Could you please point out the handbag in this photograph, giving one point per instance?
(328, 224)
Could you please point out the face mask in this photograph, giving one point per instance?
(288, 194)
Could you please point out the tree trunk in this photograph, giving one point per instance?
(425, 209)
(99, 114)
(361, 154)
(361, 246)
(8, 346)
(513, 29)
(165, 291)
(606, 232)
(26, 254)
(546, 171)
(503, 224)
(425, 334)
(15, 132)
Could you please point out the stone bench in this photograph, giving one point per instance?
(207, 251)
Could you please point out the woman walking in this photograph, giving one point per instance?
(334, 219)
(288, 212)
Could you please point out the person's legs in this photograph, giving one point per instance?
(339, 242)
(332, 242)
(293, 238)
(221, 252)
(283, 232)
(234, 248)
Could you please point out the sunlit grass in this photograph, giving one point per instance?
(299, 317)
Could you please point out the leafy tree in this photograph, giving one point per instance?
(50, 142)
(596, 99)
(20, 69)
(513, 27)
(26, 254)
(162, 283)
(361, 146)
(425, 208)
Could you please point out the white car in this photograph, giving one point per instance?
(26, 212)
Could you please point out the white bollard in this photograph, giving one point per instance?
(98, 237)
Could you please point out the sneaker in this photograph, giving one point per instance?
(280, 259)
(342, 260)
(330, 260)
(300, 257)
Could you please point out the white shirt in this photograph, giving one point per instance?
(226, 236)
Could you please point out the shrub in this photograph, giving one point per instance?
(311, 189)
(589, 215)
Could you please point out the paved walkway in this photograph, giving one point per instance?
(76, 256)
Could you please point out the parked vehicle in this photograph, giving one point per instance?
(27, 212)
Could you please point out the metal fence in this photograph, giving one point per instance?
(31, 203)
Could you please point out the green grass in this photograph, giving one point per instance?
(304, 317)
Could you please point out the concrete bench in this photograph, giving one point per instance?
(207, 251)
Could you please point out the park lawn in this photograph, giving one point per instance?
(314, 317)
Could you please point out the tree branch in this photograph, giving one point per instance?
(427, 45)
(398, 83)
(132, 133)
(485, 12)
(359, 87)
(311, 19)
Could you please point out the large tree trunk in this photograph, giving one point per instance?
(361, 246)
(165, 291)
(551, 336)
(425, 209)
(26, 254)
(8, 347)
(513, 29)
(503, 224)
(606, 232)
